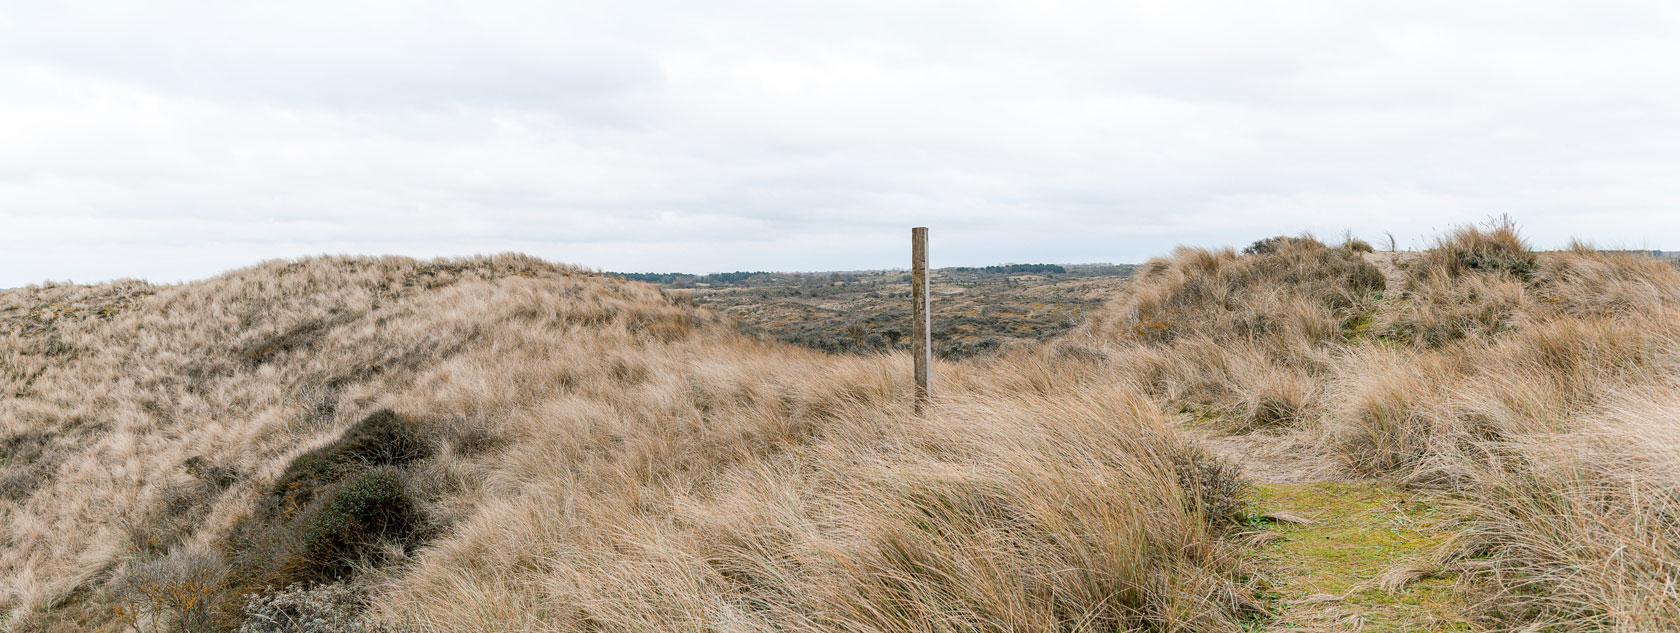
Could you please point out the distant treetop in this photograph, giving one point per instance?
(1024, 269)
(672, 279)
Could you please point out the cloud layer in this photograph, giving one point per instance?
(179, 139)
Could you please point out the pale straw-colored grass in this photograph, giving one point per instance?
(608, 457)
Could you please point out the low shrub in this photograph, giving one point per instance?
(299, 608)
(1212, 486)
(381, 439)
(359, 515)
(1270, 245)
(175, 593)
(334, 509)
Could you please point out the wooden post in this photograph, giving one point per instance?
(921, 313)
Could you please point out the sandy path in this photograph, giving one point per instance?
(1389, 263)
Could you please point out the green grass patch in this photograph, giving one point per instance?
(1356, 326)
(1323, 573)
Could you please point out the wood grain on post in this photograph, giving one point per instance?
(920, 312)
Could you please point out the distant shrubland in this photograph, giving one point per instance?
(979, 311)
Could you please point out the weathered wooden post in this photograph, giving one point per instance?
(921, 313)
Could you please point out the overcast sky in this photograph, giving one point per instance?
(174, 140)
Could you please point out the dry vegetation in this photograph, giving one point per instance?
(1535, 395)
(502, 444)
(566, 452)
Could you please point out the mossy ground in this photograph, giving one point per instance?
(1324, 572)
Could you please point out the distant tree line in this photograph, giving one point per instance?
(1012, 269)
(686, 279)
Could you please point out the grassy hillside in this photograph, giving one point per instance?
(1475, 436)
(501, 444)
(1534, 396)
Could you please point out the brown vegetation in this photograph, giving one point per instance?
(1532, 393)
(502, 444)
(566, 452)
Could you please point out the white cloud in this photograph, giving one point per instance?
(176, 139)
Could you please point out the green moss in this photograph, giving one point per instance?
(1359, 531)
(1200, 416)
(1357, 325)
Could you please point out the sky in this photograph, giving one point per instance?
(172, 140)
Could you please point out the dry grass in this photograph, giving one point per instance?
(875, 524)
(1533, 393)
(600, 456)
(1239, 340)
(1579, 528)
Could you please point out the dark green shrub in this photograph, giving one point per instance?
(361, 513)
(381, 439)
(1518, 263)
(332, 508)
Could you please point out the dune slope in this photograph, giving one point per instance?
(502, 444)
(499, 443)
